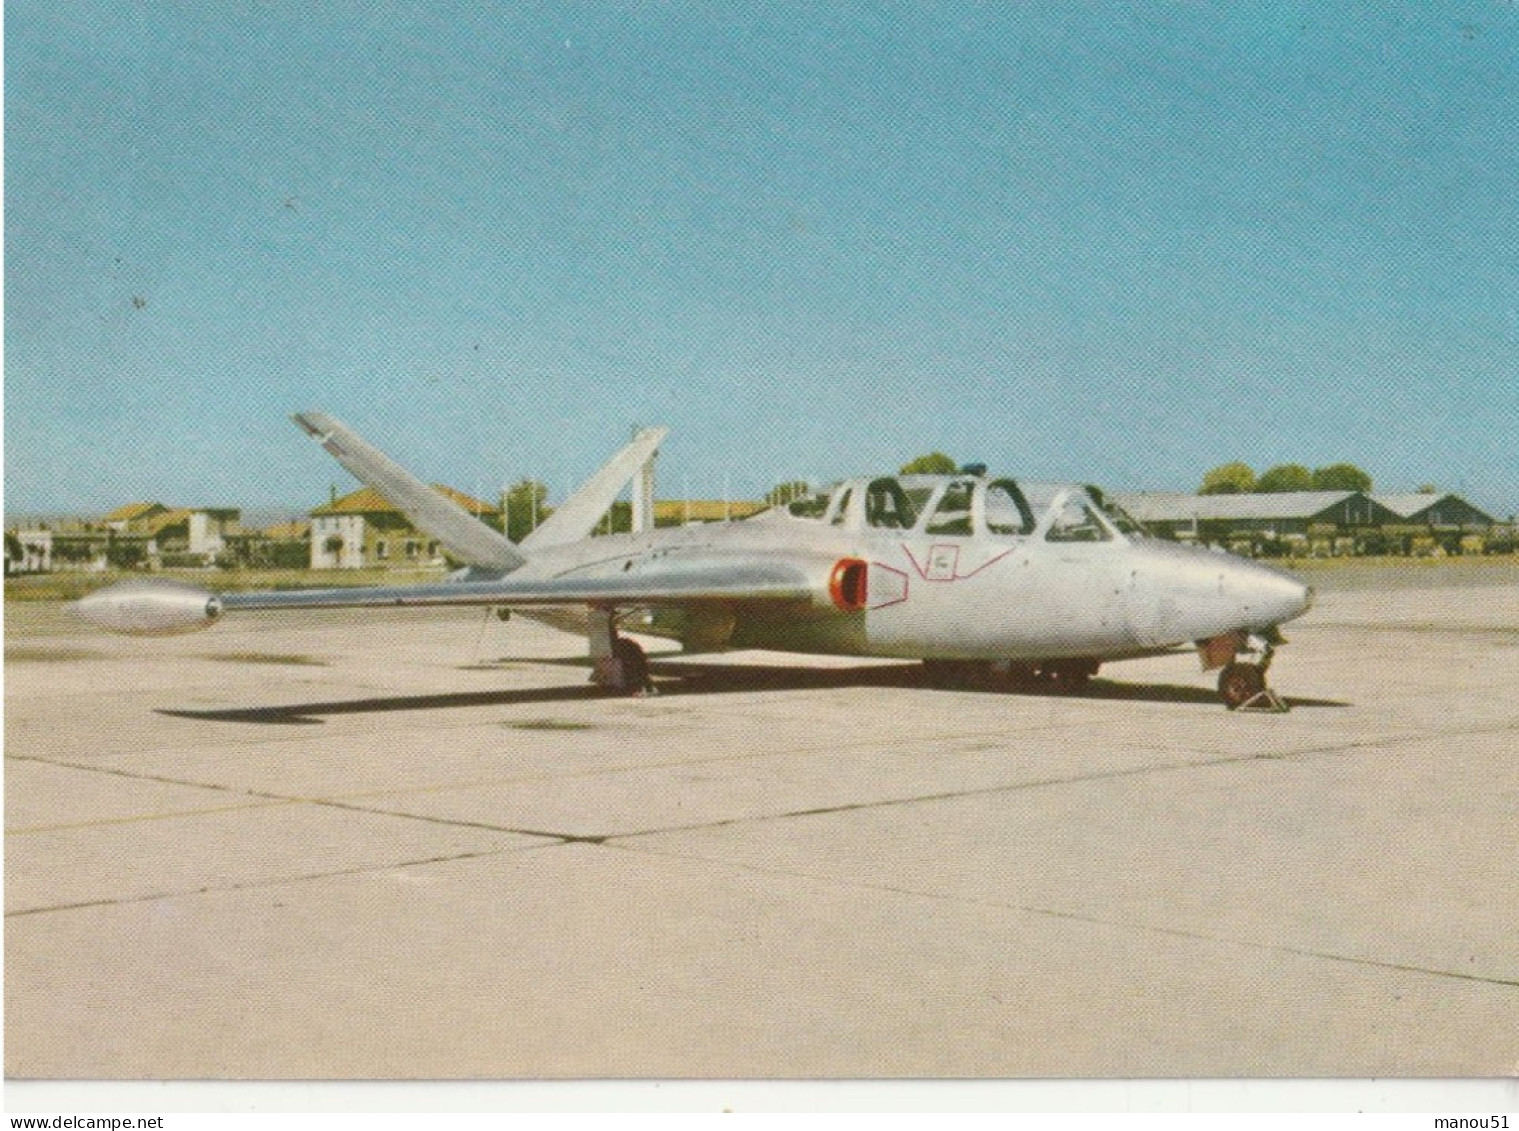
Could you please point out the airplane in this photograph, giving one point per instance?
(987, 581)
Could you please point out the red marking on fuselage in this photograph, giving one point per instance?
(906, 584)
(983, 565)
(956, 575)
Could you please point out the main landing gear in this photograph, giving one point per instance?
(619, 666)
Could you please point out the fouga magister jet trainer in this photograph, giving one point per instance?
(985, 580)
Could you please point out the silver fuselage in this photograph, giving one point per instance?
(962, 595)
(926, 567)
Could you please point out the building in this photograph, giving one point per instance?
(1320, 522)
(201, 531)
(1436, 511)
(28, 551)
(137, 535)
(293, 531)
(133, 517)
(1271, 515)
(364, 530)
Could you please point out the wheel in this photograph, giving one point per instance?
(1239, 683)
(633, 667)
(627, 671)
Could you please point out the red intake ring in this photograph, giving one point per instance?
(847, 584)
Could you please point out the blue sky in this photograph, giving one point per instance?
(1122, 243)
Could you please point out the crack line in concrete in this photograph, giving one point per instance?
(139, 818)
(1077, 917)
(1012, 787)
(600, 838)
(275, 881)
(558, 839)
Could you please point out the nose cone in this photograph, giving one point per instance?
(150, 608)
(1269, 596)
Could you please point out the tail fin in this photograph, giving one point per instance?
(465, 536)
(577, 517)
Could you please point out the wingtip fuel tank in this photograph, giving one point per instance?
(150, 608)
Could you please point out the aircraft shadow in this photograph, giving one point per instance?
(675, 679)
(717, 678)
(298, 714)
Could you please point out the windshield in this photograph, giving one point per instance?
(1118, 518)
(1071, 514)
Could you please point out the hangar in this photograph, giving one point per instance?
(1438, 512)
(1340, 522)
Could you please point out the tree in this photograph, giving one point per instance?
(126, 555)
(1341, 477)
(1229, 479)
(281, 555)
(1428, 489)
(788, 492)
(617, 520)
(525, 509)
(935, 463)
(1285, 477)
(74, 550)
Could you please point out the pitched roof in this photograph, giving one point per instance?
(1408, 505)
(1415, 505)
(1162, 506)
(158, 522)
(288, 531)
(367, 500)
(131, 512)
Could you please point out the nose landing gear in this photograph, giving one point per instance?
(1242, 686)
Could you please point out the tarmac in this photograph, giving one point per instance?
(416, 846)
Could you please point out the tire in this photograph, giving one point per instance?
(633, 667)
(1239, 683)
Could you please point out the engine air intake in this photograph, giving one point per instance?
(847, 584)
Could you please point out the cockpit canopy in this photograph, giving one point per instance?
(969, 505)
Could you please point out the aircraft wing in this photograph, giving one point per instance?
(466, 537)
(158, 608)
(578, 515)
(694, 585)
